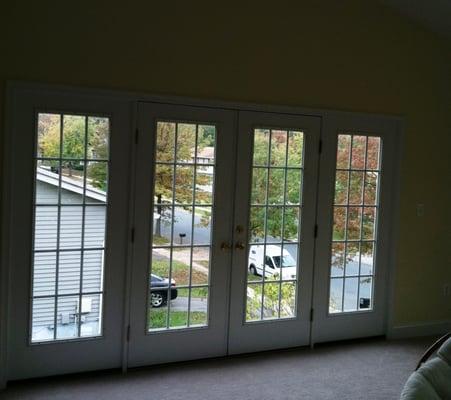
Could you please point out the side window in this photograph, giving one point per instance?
(269, 262)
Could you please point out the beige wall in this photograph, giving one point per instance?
(349, 55)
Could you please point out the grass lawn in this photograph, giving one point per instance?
(159, 240)
(157, 318)
(180, 272)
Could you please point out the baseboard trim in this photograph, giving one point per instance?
(419, 329)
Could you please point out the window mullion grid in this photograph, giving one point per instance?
(361, 224)
(171, 251)
(83, 218)
(192, 227)
(347, 223)
(58, 228)
(266, 224)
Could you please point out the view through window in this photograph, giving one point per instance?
(275, 220)
(355, 220)
(71, 179)
(182, 225)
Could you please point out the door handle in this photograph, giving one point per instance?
(225, 246)
(240, 246)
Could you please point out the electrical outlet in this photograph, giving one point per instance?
(446, 290)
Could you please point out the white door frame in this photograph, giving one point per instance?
(145, 347)
(25, 360)
(14, 88)
(348, 325)
(290, 332)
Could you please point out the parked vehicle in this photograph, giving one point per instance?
(159, 288)
(277, 261)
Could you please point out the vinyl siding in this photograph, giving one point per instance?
(45, 238)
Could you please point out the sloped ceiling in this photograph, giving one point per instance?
(434, 15)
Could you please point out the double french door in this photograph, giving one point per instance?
(209, 232)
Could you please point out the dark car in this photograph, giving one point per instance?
(159, 288)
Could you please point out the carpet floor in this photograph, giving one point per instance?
(365, 369)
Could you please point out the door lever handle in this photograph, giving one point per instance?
(225, 246)
(240, 246)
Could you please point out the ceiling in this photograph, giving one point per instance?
(434, 15)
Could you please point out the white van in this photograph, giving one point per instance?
(272, 261)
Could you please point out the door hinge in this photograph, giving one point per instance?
(320, 146)
(311, 315)
(128, 333)
(136, 136)
(315, 231)
(132, 235)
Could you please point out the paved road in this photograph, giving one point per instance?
(181, 304)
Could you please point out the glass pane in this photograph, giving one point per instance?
(184, 184)
(369, 220)
(341, 187)
(201, 265)
(91, 315)
(71, 221)
(354, 223)
(69, 272)
(295, 149)
(181, 237)
(350, 299)
(358, 152)
(261, 146)
(186, 143)
(164, 175)
(178, 314)
(259, 185)
(253, 302)
(49, 136)
(338, 259)
(165, 142)
(371, 185)
(204, 185)
(67, 317)
(336, 295)
(44, 274)
(257, 224)
(356, 187)
(373, 157)
(278, 148)
(293, 187)
(181, 261)
(288, 300)
(45, 227)
(98, 138)
(276, 186)
(75, 189)
(339, 223)
(74, 135)
(97, 182)
(183, 222)
(274, 225)
(355, 226)
(93, 271)
(367, 258)
(198, 306)
(43, 324)
(343, 151)
(271, 301)
(352, 258)
(365, 293)
(291, 224)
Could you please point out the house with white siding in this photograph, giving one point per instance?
(81, 243)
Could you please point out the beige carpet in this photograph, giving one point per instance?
(367, 369)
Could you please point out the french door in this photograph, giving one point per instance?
(183, 221)
(208, 232)
(275, 206)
